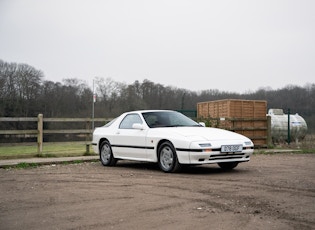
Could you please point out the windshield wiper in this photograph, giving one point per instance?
(181, 126)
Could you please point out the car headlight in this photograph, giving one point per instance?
(205, 145)
(248, 143)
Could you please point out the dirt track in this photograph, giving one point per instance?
(269, 192)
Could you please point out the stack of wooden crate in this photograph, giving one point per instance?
(247, 117)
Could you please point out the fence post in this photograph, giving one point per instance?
(88, 136)
(269, 139)
(40, 134)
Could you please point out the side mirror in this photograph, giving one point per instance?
(202, 124)
(138, 126)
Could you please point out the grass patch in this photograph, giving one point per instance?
(25, 165)
(60, 149)
(308, 151)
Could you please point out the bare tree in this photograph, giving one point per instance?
(20, 85)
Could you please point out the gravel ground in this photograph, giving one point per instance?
(269, 192)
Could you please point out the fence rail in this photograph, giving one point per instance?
(40, 131)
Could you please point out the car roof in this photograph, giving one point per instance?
(150, 110)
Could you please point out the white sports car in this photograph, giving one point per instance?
(169, 138)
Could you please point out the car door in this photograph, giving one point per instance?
(129, 143)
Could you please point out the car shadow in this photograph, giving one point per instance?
(185, 169)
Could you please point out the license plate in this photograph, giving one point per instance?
(231, 148)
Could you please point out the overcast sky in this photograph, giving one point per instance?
(232, 45)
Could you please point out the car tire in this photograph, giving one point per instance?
(106, 154)
(228, 165)
(167, 158)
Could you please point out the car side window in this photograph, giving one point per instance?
(129, 120)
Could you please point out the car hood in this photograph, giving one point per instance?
(207, 134)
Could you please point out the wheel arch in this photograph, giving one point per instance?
(101, 141)
(159, 144)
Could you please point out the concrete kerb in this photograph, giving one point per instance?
(46, 161)
(274, 151)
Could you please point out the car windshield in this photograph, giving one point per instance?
(167, 119)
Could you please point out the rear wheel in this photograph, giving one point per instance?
(228, 165)
(106, 154)
(167, 158)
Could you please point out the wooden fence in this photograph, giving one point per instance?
(260, 134)
(40, 131)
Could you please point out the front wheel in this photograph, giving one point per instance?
(106, 154)
(228, 165)
(167, 158)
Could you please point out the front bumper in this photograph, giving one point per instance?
(212, 157)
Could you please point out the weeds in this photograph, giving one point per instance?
(24, 165)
